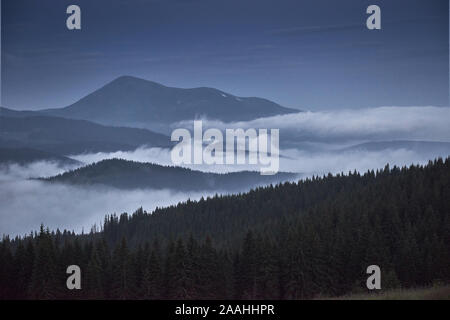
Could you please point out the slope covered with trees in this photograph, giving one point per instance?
(124, 174)
(290, 241)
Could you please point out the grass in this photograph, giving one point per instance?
(441, 292)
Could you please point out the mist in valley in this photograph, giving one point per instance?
(312, 143)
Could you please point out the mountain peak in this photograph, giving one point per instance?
(132, 101)
(133, 81)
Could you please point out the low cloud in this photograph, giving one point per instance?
(14, 171)
(336, 162)
(312, 145)
(311, 142)
(340, 126)
(28, 203)
(292, 160)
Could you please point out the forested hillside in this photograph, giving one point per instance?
(290, 241)
(124, 174)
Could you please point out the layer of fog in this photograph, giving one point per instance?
(292, 160)
(38, 169)
(314, 139)
(337, 162)
(311, 142)
(346, 126)
(28, 203)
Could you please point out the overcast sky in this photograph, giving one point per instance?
(303, 54)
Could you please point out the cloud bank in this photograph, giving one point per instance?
(392, 123)
(32, 170)
(311, 143)
(27, 203)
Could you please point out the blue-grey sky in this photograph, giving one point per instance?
(302, 54)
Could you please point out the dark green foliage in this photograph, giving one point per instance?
(125, 174)
(123, 277)
(152, 287)
(290, 241)
(45, 279)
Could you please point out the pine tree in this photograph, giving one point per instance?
(7, 289)
(152, 282)
(94, 287)
(46, 282)
(123, 278)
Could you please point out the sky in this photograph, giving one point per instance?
(312, 55)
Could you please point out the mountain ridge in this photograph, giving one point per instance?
(70, 136)
(125, 174)
(133, 101)
(26, 155)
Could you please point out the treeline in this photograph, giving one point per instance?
(290, 241)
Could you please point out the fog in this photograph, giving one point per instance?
(320, 163)
(383, 123)
(32, 170)
(311, 142)
(292, 160)
(312, 146)
(28, 203)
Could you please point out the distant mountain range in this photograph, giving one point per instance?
(125, 174)
(5, 112)
(130, 101)
(67, 136)
(24, 156)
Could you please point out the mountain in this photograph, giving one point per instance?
(132, 101)
(68, 136)
(24, 156)
(5, 112)
(125, 174)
